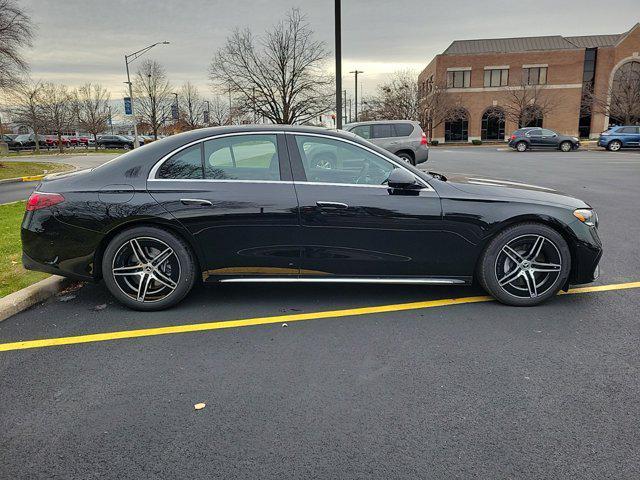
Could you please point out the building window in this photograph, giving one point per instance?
(459, 79)
(456, 127)
(496, 77)
(534, 75)
(430, 84)
(493, 124)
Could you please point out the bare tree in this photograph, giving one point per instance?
(152, 93)
(192, 106)
(397, 99)
(279, 76)
(218, 111)
(621, 102)
(526, 103)
(90, 106)
(16, 33)
(25, 100)
(438, 106)
(57, 108)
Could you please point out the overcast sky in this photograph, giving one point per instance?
(85, 40)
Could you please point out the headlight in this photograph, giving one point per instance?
(586, 216)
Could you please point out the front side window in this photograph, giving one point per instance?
(327, 160)
(363, 131)
(382, 130)
(496, 77)
(535, 75)
(242, 157)
(459, 79)
(186, 164)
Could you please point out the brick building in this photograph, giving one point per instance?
(482, 76)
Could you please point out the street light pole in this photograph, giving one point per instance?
(355, 101)
(110, 119)
(128, 59)
(338, 47)
(208, 113)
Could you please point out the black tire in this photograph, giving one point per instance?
(184, 259)
(522, 146)
(407, 157)
(566, 146)
(518, 291)
(614, 145)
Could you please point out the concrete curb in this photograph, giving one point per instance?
(32, 178)
(27, 297)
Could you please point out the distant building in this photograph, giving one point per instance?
(483, 74)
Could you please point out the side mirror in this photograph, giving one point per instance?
(402, 179)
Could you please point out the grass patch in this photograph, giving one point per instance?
(12, 276)
(26, 169)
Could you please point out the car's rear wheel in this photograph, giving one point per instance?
(126, 146)
(521, 146)
(614, 145)
(148, 268)
(406, 157)
(525, 265)
(566, 146)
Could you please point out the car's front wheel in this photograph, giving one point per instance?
(566, 146)
(148, 268)
(614, 145)
(525, 265)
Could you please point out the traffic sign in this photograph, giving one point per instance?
(127, 106)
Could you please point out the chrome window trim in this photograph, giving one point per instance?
(158, 164)
(424, 184)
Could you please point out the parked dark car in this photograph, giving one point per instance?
(247, 204)
(115, 141)
(27, 141)
(616, 138)
(404, 138)
(532, 138)
(10, 140)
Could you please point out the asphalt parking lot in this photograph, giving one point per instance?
(400, 385)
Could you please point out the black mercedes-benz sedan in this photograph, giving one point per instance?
(251, 203)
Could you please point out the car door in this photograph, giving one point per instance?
(382, 134)
(235, 194)
(352, 223)
(629, 136)
(549, 139)
(535, 138)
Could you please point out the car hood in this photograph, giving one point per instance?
(496, 188)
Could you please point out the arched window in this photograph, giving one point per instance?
(531, 117)
(456, 128)
(492, 124)
(625, 95)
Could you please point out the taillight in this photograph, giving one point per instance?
(423, 140)
(38, 200)
(513, 137)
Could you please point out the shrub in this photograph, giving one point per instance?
(475, 141)
(434, 143)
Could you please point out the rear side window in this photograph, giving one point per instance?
(242, 157)
(383, 130)
(186, 164)
(628, 130)
(535, 133)
(403, 129)
(363, 131)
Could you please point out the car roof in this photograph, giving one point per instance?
(353, 124)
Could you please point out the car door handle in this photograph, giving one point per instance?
(196, 201)
(334, 205)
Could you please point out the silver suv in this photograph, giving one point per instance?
(403, 138)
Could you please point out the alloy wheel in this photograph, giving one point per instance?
(565, 147)
(615, 146)
(521, 147)
(528, 266)
(146, 269)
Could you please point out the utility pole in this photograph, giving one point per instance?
(338, 47)
(128, 59)
(208, 121)
(344, 106)
(110, 119)
(356, 95)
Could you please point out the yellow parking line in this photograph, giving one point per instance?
(298, 317)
